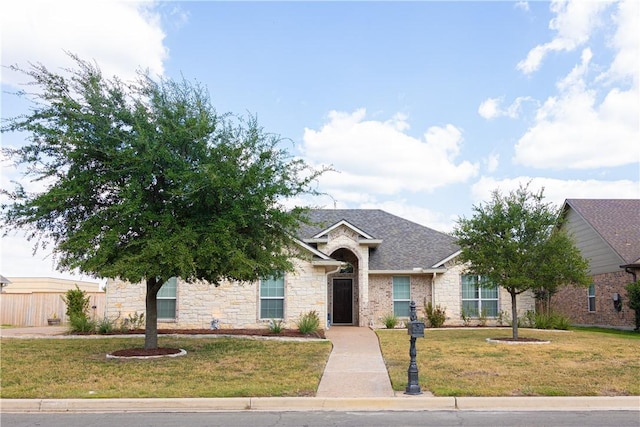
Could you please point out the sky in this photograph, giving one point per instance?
(422, 108)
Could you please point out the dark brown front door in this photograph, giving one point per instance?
(342, 301)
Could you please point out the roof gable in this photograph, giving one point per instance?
(616, 221)
(401, 244)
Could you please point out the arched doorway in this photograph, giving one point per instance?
(343, 289)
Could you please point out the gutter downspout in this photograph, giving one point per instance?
(632, 273)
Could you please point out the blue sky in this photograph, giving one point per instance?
(423, 108)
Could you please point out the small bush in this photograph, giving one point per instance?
(633, 293)
(133, 321)
(466, 317)
(275, 326)
(105, 326)
(76, 301)
(309, 323)
(82, 323)
(435, 316)
(390, 321)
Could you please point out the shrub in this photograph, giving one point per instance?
(551, 321)
(390, 321)
(81, 323)
(76, 301)
(435, 316)
(309, 323)
(133, 321)
(275, 326)
(105, 326)
(466, 317)
(633, 293)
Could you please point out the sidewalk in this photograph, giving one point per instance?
(355, 379)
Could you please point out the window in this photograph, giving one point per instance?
(478, 298)
(166, 301)
(592, 297)
(272, 297)
(401, 296)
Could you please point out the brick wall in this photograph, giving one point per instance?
(381, 296)
(572, 302)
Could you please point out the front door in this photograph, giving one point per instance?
(342, 301)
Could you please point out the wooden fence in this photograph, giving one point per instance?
(35, 308)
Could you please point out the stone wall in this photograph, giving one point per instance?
(447, 292)
(235, 305)
(573, 302)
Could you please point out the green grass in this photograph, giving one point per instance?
(630, 334)
(213, 367)
(461, 363)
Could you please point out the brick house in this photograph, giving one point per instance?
(607, 232)
(361, 266)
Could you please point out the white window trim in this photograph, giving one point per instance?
(393, 295)
(175, 310)
(591, 296)
(282, 298)
(480, 299)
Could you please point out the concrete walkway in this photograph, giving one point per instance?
(355, 367)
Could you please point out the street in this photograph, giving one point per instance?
(328, 418)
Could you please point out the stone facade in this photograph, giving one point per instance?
(448, 294)
(573, 302)
(234, 305)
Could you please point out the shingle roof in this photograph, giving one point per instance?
(616, 220)
(405, 244)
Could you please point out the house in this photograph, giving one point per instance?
(607, 233)
(361, 266)
(30, 301)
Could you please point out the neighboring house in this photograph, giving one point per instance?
(607, 232)
(30, 301)
(361, 266)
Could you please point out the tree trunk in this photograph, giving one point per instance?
(151, 325)
(514, 315)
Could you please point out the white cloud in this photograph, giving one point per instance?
(378, 157)
(121, 36)
(522, 5)
(573, 23)
(491, 162)
(491, 108)
(402, 208)
(574, 130)
(557, 190)
(626, 43)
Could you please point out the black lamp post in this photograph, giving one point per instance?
(415, 329)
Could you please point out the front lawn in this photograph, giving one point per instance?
(459, 362)
(213, 367)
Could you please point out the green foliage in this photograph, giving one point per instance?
(436, 316)
(146, 181)
(133, 321)
(81, 323)
(77, 302)
(466, 317)
(309, 323)
(514, 241)
(275, 326)
(105, 326)
(633, 293)
(551, 321)
(390, 321)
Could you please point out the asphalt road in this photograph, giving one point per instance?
(329, 418)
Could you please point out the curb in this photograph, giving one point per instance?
(293, 404)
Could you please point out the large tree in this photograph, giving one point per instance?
(514, 242)
(144, 181)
